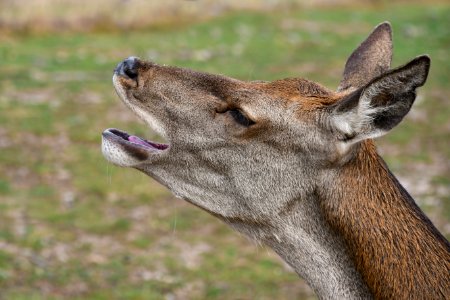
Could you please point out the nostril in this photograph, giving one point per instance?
(128, 68)
(130, 72)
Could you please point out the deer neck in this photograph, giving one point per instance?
(303, 238)
(394, 246)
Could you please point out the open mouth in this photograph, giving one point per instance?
(122, 137)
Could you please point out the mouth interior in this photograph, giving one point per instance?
(139, 141)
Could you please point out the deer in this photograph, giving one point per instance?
(293, 165)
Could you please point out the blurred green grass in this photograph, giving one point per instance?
(75, 227)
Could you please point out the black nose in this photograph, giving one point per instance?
(128, 68)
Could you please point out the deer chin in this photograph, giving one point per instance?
(125, 150)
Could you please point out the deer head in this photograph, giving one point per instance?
(244, 150)
(290, 163)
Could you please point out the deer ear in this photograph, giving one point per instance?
(379, 106)
(371, 59)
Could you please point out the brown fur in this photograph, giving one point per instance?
(291, 88)
(398, 251)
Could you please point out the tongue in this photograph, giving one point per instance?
(138, 140)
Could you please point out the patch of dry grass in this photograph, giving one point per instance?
(57, 15)
(40, 16)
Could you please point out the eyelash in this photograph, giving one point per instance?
(240, 118)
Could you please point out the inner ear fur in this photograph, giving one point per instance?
(381, 104)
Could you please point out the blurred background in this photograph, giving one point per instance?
(74, 227)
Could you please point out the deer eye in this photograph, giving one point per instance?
(240, 118)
